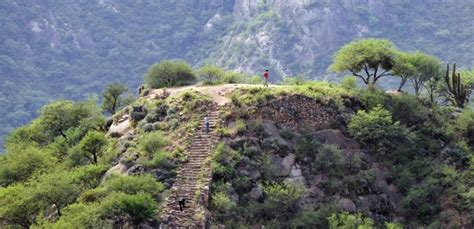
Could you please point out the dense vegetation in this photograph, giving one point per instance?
(72, 49)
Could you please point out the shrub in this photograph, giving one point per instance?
(222, 203)
(135, 209)
(281, 200)
(349, 82)
(372, 97)
(376, 130)
(134, 184)
(169, 74)
(307, 147)
(312, 218)
(331, 159)
(233, 77)
(240, 126)
(350, 221)
(152, 142)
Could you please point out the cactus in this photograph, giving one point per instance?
(458, 93)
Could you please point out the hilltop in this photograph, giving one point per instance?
(284, 156)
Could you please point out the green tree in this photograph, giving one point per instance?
(426, 67)
(57, 188)
(86, 215)
(112, 97)
(135, 209)
(210, 73)
(60, 116)
(168, 74)
(404, 68)
(18, 206)
(19, 164)
(369, 59)
(92, 146)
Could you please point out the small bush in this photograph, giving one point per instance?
(281, 200)
(330, 159)
(349, 221)
(222, 203)
(152, 142)
(169, 74)
(349, 82)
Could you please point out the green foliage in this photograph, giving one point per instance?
(376, 130)
(465, 125)
(404, 67)
(169, 74)
(294, 80)
(136, 208)
(348, 221)
(58, 189)
(222, 203)
(91, 147)
(281, 200)
(349, 82)
(427, 67)
(371, 127)
(330, 159)
(112, 99)
(367, 56)
(60, 117)
(372, 97)
(134, 185)
(210, 73)
(88, 215)
(151, 143)
(311, 218)
(19, 164)
(18, 206)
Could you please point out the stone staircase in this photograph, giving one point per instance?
(193, 181)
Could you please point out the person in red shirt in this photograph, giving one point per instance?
(266, 75)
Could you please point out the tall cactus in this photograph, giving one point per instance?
(458, 92)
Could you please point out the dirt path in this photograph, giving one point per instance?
(217, 92)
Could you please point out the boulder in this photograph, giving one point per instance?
(255, 174)
(148, 127)
(347, 205)
(256, 192)
(138, 113)
(120, 169)
(119, 129)
(288, 162)
(282, 166)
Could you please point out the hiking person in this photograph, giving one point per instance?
(266, 75)
(206, 124)
(181, 204)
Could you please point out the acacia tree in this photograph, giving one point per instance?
(426, 67)
(18, 206)
(58, 189)
(404, 68)
(210, 73)
(369, 59)
(169, 73)
(112, 97)
(92, 146)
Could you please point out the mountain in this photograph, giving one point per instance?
(72, 49)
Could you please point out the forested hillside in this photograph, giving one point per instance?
(72, 49)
